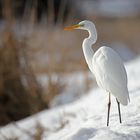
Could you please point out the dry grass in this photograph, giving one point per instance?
(18, 99)
(21, 94)
(54, 87)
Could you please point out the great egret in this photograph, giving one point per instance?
(106, 65)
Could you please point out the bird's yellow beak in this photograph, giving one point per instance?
(72, 27)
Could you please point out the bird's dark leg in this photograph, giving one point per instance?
(119, 110)
(109, 104)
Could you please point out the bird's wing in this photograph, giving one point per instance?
(110, 73)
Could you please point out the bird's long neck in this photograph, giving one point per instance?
(87, 46)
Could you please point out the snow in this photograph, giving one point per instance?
(85, 118)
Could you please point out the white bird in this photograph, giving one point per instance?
(106, 65)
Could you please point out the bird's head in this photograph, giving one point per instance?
(83, 25)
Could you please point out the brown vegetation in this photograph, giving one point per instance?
(20, 94)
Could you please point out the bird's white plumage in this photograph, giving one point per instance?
(110, 73)
(105, 64)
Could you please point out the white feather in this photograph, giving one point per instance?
(110, 73)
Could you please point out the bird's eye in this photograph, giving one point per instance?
(82, 25)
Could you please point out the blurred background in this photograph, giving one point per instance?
(41, 65)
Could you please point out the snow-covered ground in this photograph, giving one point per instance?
(85, 118)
